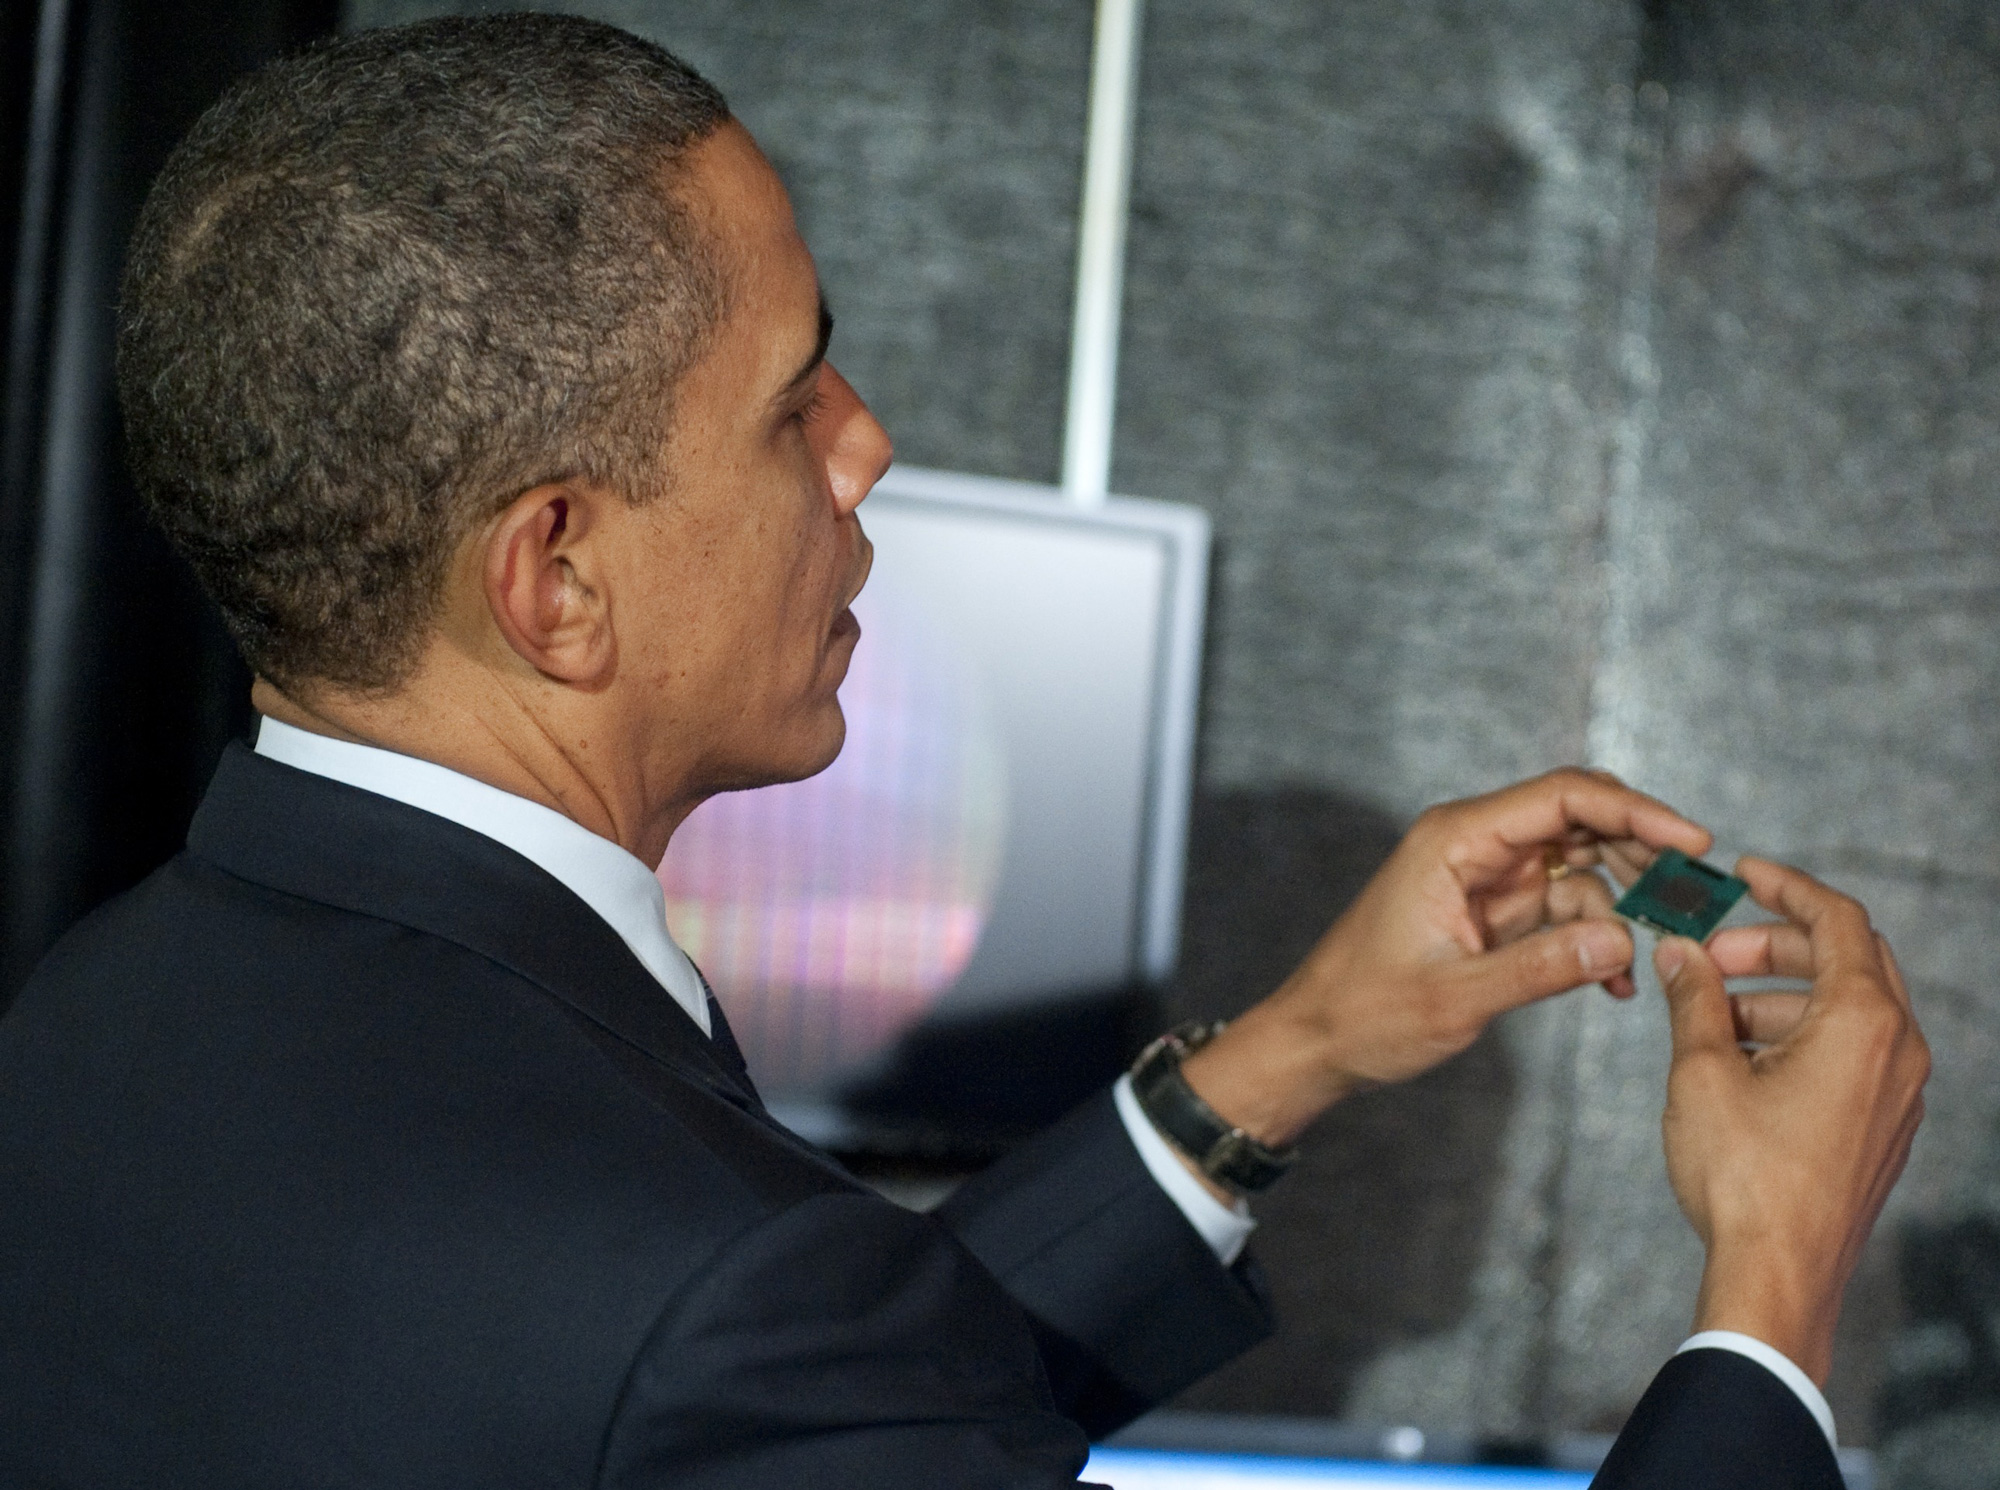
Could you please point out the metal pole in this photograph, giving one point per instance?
(1100, 258)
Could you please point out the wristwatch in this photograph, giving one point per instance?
(1223, 1152)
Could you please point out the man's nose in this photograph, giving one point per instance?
(861, 450)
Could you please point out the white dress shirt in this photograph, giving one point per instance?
(623, 890)
(626, 893)
(615, 884)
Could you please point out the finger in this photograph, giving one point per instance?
(1771, 949)
(1578, 850)
(1549, 962)
(1627, 860)
(1523, 817)
(1836, 925)
(1586, 896)
(1766, 1017)
(1578, 896)
(1513, 914)
(1697, 1003)
(1563, 802)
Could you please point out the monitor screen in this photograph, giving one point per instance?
(1005, 827)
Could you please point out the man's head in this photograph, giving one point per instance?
(387, 284)
(491, 344)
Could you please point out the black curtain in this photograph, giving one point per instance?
(120, 686)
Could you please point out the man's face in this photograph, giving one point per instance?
(742, 571)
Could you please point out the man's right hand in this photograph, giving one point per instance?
(1783, 1157)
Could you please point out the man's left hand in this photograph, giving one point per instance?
(1486, 905)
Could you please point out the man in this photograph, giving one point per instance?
(385, 1137)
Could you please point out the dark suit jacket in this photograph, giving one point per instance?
(1716, 1420)
(352, 1149)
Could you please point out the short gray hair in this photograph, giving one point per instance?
(389, 284)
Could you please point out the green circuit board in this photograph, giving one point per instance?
(1679, 896)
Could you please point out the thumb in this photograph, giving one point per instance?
(1697, 1001)
(1549, 962)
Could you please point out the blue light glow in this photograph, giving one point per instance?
(1152, 1469)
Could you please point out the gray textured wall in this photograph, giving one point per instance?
(1573, 379)
(933, 149)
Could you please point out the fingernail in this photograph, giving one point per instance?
(1600, 948)
(1669, 957)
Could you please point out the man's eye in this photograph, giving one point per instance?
(813, 407)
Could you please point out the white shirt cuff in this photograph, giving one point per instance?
(1778, 1364)
(1224, 1227)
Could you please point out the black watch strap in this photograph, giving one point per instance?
(1226, 1154)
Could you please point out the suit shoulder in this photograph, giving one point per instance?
(182, 907)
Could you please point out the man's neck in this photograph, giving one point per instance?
(496, 738)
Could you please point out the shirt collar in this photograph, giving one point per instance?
(615, 884)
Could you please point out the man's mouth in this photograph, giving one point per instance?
(845, 627)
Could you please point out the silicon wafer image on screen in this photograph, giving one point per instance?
(830, 914)
(943, 938)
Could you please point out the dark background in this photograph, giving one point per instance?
(1567, 379)
(120, 683)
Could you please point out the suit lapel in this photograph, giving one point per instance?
(326, 841)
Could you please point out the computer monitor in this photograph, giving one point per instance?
(949, 930)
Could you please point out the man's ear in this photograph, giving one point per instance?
(545, 585)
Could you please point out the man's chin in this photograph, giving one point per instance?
(809, 758)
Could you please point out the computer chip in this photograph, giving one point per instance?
(1679, 896)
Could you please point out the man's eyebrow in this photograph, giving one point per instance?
(812, 364)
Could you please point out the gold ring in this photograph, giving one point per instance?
(1554, 864)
